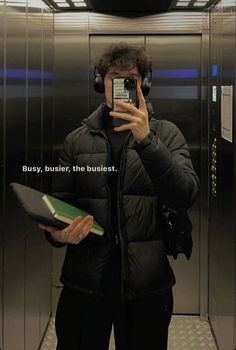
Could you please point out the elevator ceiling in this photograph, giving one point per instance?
(130, 6)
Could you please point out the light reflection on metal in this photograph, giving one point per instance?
(175, 73)
(12, 73)
(197, 4)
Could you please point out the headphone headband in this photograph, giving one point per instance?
(98, 82)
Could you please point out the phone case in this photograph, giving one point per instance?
(123, 89)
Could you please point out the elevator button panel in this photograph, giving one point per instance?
(213, 167)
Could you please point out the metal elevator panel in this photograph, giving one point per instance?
(33, 158)
(222, 156)
(204, 175)
(45, 261)
(26, 114)
(71, 71)
(2, 9)
(14, 133)
(175, 96)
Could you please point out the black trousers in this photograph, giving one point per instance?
(84, 323)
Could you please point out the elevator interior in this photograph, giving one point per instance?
(46, 89)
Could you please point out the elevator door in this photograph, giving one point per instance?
(175, 96)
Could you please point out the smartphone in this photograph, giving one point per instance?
(123, 89)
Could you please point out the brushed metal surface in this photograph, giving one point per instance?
(71, 72)
(26, 97)
(222, 233)
(46, 158)
(167, 23)
(14, 133)
(177, 72)
(71, 93)
(204, 173)
(185, 332)
(33, 278)
(2, 18)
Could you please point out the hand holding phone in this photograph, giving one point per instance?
(138, 119)
(123, 89)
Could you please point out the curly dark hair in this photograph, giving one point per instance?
(124, 56)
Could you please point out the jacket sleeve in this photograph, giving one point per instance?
(63, 182)
(166, 158)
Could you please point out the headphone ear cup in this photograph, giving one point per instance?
(146, 86)
(99, 84)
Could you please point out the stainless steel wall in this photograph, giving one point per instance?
(222, 155)
(29, 127)
(2, 8)
(26, 122)
(87, 33)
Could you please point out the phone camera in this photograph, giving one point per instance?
(130, 83)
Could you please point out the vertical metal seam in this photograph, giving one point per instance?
(26, 152)
(4, 104)
(42, 96)
(27, 91)
(4, 161)
(204, 66)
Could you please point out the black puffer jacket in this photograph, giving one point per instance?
(156, 170)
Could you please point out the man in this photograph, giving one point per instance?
(124, 277)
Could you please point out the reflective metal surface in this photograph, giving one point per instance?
(30, 125)
(14, 247)
(169, 22)
(26, 112)
(2, 29)
(175, 96)
(182, 335)
(204, 173)
(71, 93)
(222, 228)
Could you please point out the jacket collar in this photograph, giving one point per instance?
(94, 121)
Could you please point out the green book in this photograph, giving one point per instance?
(65, 212)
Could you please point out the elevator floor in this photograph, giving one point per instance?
(186, 333)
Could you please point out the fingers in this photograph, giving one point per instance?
(126, 106)
(74, 223)
(141, 99)
(124, 116)
(83, 226)
(78, 229)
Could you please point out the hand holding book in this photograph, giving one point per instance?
(74, 233)
(54, 215)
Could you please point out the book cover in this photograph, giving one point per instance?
(65, 212)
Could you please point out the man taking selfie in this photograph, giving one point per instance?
(122, 278)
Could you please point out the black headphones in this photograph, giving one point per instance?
(98, 82)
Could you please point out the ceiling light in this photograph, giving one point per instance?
(182, 3)
(200, 3)
(62, 4)
(80, 4)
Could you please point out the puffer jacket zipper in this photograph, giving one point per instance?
(122, 235)
(114, 235)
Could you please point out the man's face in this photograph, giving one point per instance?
(116, 72)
